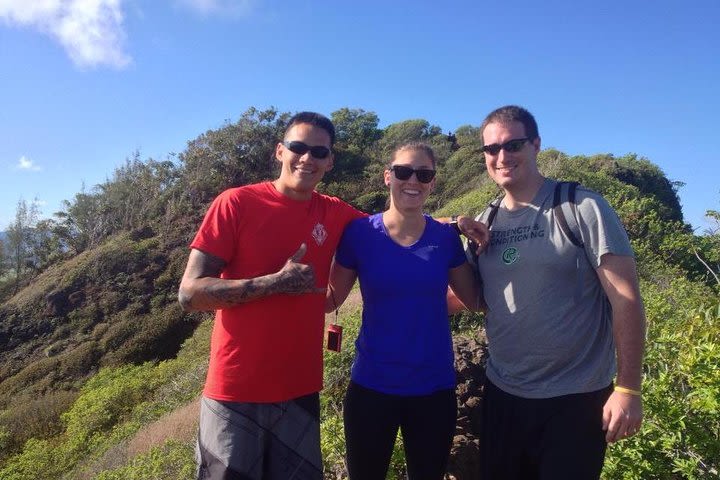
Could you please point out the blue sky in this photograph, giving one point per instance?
(85, 83)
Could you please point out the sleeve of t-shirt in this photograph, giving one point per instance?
(346, 253)
(353, 213)
(600, 228)
(457, 256)
(218, 230)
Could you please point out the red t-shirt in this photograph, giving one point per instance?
(269, 349)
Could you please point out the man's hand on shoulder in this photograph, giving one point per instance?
(476, 231)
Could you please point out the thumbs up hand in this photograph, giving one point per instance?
(296, 277)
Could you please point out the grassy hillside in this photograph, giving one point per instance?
(100, 369)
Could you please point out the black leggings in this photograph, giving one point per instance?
(372, 419)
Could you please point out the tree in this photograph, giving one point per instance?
(709, 251)
(80, 223)
(468, 135)
(3, 259)
(19, 238)
(355, 129)
(408, 130)
(45, 244)
(136, 195)
(356, 136)
(650, 180)
(234, 155)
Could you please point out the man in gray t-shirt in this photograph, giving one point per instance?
(563, 322)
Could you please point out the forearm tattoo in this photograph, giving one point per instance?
(214, 292)
(230, 293)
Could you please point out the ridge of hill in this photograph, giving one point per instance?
(102, 314)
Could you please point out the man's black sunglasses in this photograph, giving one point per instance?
(403, 172)
(301, 148)
(511, 146)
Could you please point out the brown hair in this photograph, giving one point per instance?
(414, 146)
(512, 113)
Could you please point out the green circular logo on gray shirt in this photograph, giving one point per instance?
(510, 255)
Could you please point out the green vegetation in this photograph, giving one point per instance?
(96, 357)
(171, 460)
(681, 433)
(111, 407)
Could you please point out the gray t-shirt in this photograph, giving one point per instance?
(549, 322)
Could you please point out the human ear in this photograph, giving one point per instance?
(536, 144)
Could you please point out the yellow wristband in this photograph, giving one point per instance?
(629, 391)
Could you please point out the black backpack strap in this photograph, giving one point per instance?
(560, 216)
(487, 217)
(494, 206)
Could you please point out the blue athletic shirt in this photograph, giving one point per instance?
(404, 345)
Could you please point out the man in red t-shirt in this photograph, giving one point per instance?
(261, 259)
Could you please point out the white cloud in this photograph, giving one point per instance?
(26, 164)
(91, 31)
(215, 7)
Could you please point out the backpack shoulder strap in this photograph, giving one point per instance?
(487, 216)
(565, 211)
(491, 211)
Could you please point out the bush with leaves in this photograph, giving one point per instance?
(111, 407)
(680, 437)
(172, 460)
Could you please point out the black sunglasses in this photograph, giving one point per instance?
(301, 148)
(511, 146)
(403, 172)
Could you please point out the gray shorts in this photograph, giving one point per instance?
(253, 441)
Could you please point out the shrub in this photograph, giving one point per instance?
(39, 459)
(80, 360)
(32, 374)
(106, 399)
(33, 417)
(156, 335)
(172, 460)
(680, 437)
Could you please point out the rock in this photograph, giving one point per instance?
(470, 357)
(56, 304)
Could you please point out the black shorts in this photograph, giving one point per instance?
(550, 438)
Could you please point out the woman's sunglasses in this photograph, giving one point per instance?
(403, 172)
(301, 148)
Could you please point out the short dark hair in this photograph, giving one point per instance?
(414, 146)
(315, 119)
(509, 114)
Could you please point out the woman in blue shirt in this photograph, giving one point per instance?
(403, 375)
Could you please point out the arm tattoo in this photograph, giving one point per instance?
(235, 292)
(207, 291)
